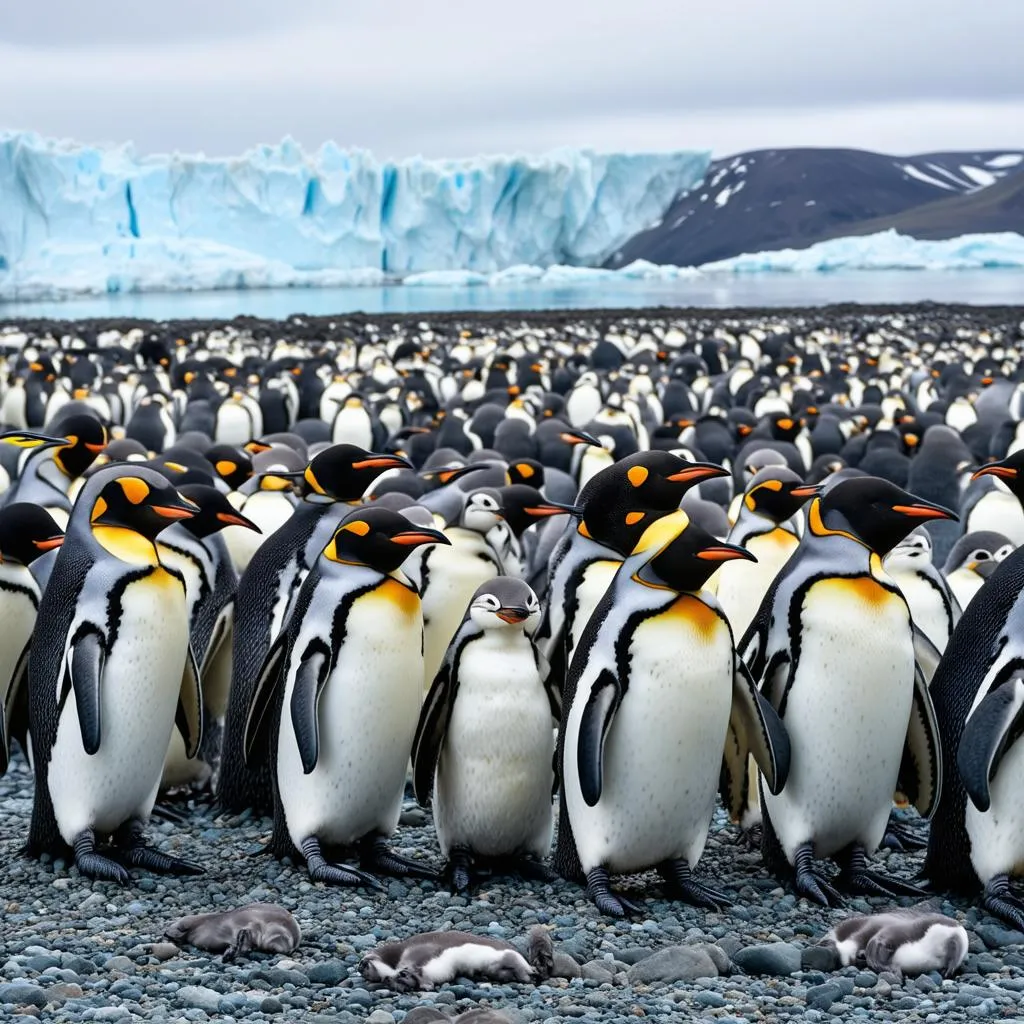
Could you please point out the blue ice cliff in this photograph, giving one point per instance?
(81, 219)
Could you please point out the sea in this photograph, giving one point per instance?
(992, 287)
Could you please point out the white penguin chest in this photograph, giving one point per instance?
(663, 751)
(596, 579)
(494, 775)
(741, 586)
(366, 720)
(139, 691)
(999, 512)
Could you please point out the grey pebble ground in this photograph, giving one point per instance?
(76, 950)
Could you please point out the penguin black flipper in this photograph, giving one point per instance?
(604, 700)
(754, 729)
(920, 777)
(436, 714)
(264, 697)
(188, 716)
(82, 674)
(310, 678)
(993, 727)
(15, 710)
(926, 654)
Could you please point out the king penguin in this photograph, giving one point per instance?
(339, 696)
(335, 479)
(648, 700)
(110, 672)
(833, 649)
(977, 835)
(485, 740)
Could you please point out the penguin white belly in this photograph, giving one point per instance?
(592, 462)
(847, 714)
(367, 718)
(60, 515)
(454, 573)
(269, 510)
(927, 609)
(965, 585)
(664, 749)
(138, 696)
(353, 426)
(741, 586)
(493, 786)
(997, 835)
(19, 619)
(999, 512)
(234, 425)
(597, 578)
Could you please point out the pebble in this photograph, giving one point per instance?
(20, 994)
(677, 963)
(778, 958)
(200, 997)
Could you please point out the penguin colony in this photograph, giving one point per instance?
(598, 575)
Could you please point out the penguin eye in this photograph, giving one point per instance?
(1004, 551)
(980, 556)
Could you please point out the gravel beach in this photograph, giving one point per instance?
(74, 950)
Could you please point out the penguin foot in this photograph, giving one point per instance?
(752, 838)
(379, 857)
(901, 836)
(333, 874)
(531, 870)
(605, 900)
(809, 883)
(134, 851)
(460, 870)
(1000, 900)
(857, 879)
(95, 865)
(162, 812)
(681, 885)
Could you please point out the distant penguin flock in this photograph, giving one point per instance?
(571, 582)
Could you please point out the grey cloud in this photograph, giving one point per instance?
(405, 76)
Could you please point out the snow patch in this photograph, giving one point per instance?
(979, 176)
(921, 176)
(1007, 160)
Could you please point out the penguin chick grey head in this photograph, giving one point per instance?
(481, 511)
(877, 513)
(379, 538)
(134, 499)
(1010, 471)
(913, 552)
(215, 511)
(777, 493)
(979, 552)
(676, 554)
(505, 603)
(27, 531)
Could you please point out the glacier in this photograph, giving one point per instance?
(885, 250)
(77, 219)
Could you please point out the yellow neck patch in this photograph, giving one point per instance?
(126, 545)
(694, 612)
(662, 532)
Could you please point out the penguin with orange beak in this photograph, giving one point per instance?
(110, 674)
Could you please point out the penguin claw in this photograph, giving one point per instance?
(815, 888)
(103, 869)
(342, 874)
(381, 859)
(153, 860)
(1000, 900)
(902, 838)
(869, 883)
(610, 903)
(698, 895)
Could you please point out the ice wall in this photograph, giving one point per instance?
(81, 216)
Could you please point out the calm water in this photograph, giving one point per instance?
(970, 287)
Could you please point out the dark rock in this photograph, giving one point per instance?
(271, 1005)
(565, 967)
(821, 997)
(778, 958)
(20, 993)
(676, 963)
(329, 973)
(995, 936)
(424, 1015)
(819, 958)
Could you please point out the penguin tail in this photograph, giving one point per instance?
(540, 952)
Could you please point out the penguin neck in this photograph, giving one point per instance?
(127, 545)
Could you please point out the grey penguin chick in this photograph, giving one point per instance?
(264, 927)
(424, 961)
(911, 941)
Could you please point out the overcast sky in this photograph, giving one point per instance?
(455, 78)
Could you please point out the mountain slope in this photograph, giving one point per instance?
(791, 198)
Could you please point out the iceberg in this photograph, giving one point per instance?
(78, 219)
(886, 250)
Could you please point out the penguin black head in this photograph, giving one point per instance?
(379, 538)
(522, 506)
(441, 476)
(27, 531)
(778, 493)
(621, 501)
(680, 555)
(505, 603)
(143, 502)
(343, 472)
(215, 511)
(877, 513)
(1010, 471)
(526, 471)
(84, 438)
(231, 464)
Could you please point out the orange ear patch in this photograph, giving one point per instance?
(524, 470)
(637, 475)
(135, 490)
(632, 518)
(97, 510)
(358, 527)
(225, 467)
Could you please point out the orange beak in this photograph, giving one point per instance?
(725, 553)
(698, 471)
(50, 543)
(924, 512)
(172, 512)
(382, 462)
(996, 469)
(414, 538)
